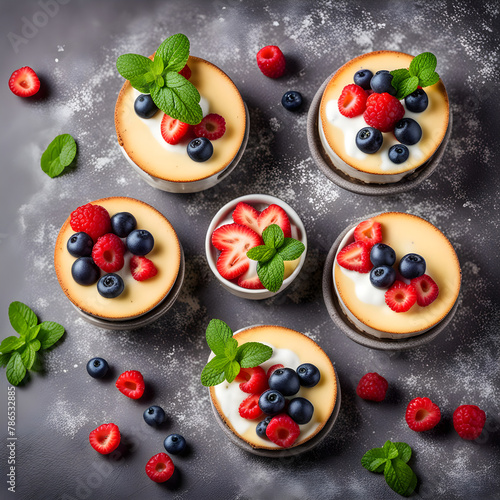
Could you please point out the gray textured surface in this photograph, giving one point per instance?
(74, 54)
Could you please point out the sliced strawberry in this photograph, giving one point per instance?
(250, 283)
(283, 430)
(142, 268)
(249, 407)
(213, 126)
(253, 380)
(355, 257)
(131, 383)
(426, 288)
(246, 215)
(24, 82)
(274, 214)
(185, 72)
(105, 438)
(272, 368)
(368, 231)
(173, 130)
(352, 100)
(400, 297)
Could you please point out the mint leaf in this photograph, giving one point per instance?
(374, 460)
(232, 369)
(273, 236)
(262, 253)
(398, 75)
(390, 450)
(58, 155)
(143, 83)
(36, 344)
(158, 65)
(252, 354)
(424, 61)
(213, 373)
(11, 344)
(174, 51)
(404, 451)
(4, 359)
(407, 87)
(230, 349)
(291, 249)
(428, 77)
(217, 334)
(271, 273)
(21, 317)
(32, 333)
(399, 476)
(131, 66)
(50, 333)
(28, 356)
(15, 370)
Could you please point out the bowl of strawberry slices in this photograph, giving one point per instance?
(256, 246)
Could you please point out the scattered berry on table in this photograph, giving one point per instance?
(131, 383)
(369, 232)
(382, 82)
(123, 223)
(80, 245)
(369, 140)
(372, 387)
(292, 100)
(24, 82)
(363, 78)
(283, 430)
(154, 415)
(272, 402)
(308, 374)
(173, 130)
(352, 101)
(271, 61)
(398, 153)
(110, 285)
(249, 408)
(426, 288)
(468, 421)
(417, 101)
(97, 367)
(272, 368)
(400, 297)
(200, 149)
(408, 131)
(383, 111)
(105, 439)
(285, 380)
(412, 266)
(213, 127)
(301, 410)
(175, 444)
(422, 414)
(142, 268)
(140, 242)
(84, 271)
(91, 219)
(382, 255)
(160, 468)
(250, 283)
(382, 276)
(108, 253)
(355, 257)
(145, 107)
(185, 72)
(262, 426)
(252, 380)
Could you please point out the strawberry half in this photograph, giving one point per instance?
(173, 130)
(352, 101)
(426, 288)
(253, 380)
(249, 408)
(142, 268)
(24, 82)
(250, 283)
(400, 297)
(355, 257)
(369, 232)
(105, 438)
(213, 126)
(131, 383)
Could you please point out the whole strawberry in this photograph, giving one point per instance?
(372, 387)
(468, 421)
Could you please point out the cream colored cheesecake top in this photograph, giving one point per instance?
(293, 346)
(407, 233)
(433, 121)
(138, 297)
(144, 149)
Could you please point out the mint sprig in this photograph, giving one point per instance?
(270, 257)
(59, 154)
(229, 357)
(18, 354)
(420, 73)
(170, 91)
(392, 460)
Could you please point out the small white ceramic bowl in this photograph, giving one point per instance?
(224, 216)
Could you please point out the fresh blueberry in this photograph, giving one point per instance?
(272, 402)
(285, 380)
(408, 131)
(80, 245)
(382, 276)
(200, 149)
(174, 444)
(84, 271)
(362, 78)
(301, 410)
(369, 140)
(154, 415)
(110, 285)
(262, 426)
(398, 153)
(412, 266)
(382, 71)
(417, 101)
(308, 374)
(97, 367)
(382, 255)
(292, 100)
(381, 82)
(145, 107)
(140, 242)
(122, 224)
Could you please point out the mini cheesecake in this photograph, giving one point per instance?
(365, 305)
(166, 165)
(138, 297)
(338, 133)
(291, 349)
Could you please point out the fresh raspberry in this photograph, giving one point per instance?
(468, 421)
(249, 407)
(271, 61)
(352, 101)
(426, 288)
(108, 253)
(272, 368)
(24, 82)
(400, 297)
(383, 111)
(142, 268)
(283, 430)
(131, 383)
(185, 72)
(253, 380)
(213, 126)
(372, 387)
(355, 257)
(422, 414)
(91, 219)
(368, 231)
(160, 468)
(105, 438)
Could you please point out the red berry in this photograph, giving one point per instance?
(400, 297)
(422, 414)
(283, 430)
(372, 387)
(212, 127)
(105, 438)
(24, 82)
(249, 407)
(246, 215)
(91, 219)
(250, 283)
(185, 72)
(142, 268)
(426, 288)
(253, 380)
(352, 101)
(274, 214)
(368, 231)
(108, 253)
(160, 468)
(273, 368)
(469, 421)
(383, 111)
(131, 383)
(271, 61)
(355, 257)
(173, 130)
